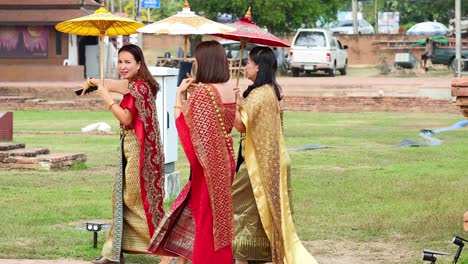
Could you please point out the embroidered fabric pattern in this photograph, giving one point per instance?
(176, 215)
(265, 134)
(215, 156)
(118, 207)
(227, 135)
(152, 164)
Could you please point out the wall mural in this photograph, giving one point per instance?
(24, 41)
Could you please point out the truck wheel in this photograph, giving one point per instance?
(295, 72)
(344, 71)
(453, 66)
(332, 71)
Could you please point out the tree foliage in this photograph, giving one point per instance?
(424, 10)
(414, 11)
(411, 11)
(167, 9)
(279, 17)
(284, 17)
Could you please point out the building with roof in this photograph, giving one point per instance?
(31, 49)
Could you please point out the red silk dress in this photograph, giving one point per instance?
(199, 225)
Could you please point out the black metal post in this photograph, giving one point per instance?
(457, 255)
(95, 239)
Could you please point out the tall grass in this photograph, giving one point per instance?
(362, 187)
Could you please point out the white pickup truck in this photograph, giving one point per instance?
(316, 49)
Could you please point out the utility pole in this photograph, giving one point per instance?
(376, 13)
(138, 18)
(355, 20)
(138, 10)
(458, 38)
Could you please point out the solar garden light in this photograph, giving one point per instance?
(429, 255)
(95, 228)
(459, 242)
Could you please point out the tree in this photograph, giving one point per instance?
(412, 11)
(167, 9)
(279, 17)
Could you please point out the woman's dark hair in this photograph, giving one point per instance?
(212, 63)
(143, 73)
(265, 58)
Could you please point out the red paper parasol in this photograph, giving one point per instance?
(248, 31)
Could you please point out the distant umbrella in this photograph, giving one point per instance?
(428, 28)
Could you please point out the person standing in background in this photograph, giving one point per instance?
(427, 55)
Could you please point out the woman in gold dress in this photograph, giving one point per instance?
(265, 230)
(139, 184)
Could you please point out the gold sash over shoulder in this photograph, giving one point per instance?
(267, 162)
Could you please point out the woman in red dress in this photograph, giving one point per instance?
(199, 225)
(139, 183)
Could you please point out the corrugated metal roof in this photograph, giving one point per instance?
(46, 12)
(44, 17)
(47, 2)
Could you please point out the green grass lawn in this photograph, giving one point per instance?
(362, 188)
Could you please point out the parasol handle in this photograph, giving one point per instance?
(102, 57)
(185, 47)
(240, 62)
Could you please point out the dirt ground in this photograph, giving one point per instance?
(346, 252)
(324, 251)
(32, 261)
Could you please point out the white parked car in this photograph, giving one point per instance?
(346, 27)
(316, 49)
(233, 48)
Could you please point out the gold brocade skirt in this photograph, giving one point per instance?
(251, 242)
(135, 237)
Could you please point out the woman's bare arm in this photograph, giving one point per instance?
(123, 115)
(180, 101)
(115, 86)
(238, 120)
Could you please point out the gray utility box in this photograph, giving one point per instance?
(165, 101)
(405, 60)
